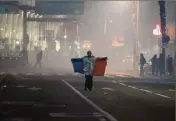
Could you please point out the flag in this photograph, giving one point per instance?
(99, 66)
(78, 65)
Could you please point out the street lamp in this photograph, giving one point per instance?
(17, 42)
(65, 37)
(105, 26)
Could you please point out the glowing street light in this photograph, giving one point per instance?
(65, 37)
(17, 42)
(105, 26)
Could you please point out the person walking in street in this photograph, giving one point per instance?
(89, 62)
(142, 62)
(154, 64)
(39, 58)
(169, 65)
(24, 55)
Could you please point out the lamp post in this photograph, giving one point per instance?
(135, 19)
(65, 37)
(163, 26)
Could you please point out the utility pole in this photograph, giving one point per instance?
(135, 19)
(25, 36)
(163, 28)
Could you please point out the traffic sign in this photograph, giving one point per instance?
(59, 7)
(8, 7)
(165, 39)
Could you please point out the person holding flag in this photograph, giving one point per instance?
(89, 64)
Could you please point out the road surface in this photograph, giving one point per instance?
(43, 98)
(62, 97)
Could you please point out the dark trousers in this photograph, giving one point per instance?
(25, 62)
(154, 69)
(89, 82)
(170, 70)
(141, 70)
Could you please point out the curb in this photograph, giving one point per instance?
(139, 78)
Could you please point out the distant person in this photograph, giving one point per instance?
(24, 57)
(142, 62)
(157, 67)
(169, 65)
(174, 71)
(161, 64)
(26, 40)
(154, 64)
(39, 58)
(88, 70)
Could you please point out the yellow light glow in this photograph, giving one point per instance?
(87, 44)
(58, 46)
(116, 43)
(171, 31)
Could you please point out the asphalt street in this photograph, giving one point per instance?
(62, 97)
(43, 98)
(131, 100)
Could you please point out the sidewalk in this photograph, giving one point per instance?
(130, 75)
(120, 74)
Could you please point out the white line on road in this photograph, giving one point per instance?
(109, 76)
(59, 74)
(133, 87)
(29, 74)
(172, 90)
(162, 95)
(114, 81)
(105, 93)
(148, 91)
(122, 84)
(106, 114)
(107, 88)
